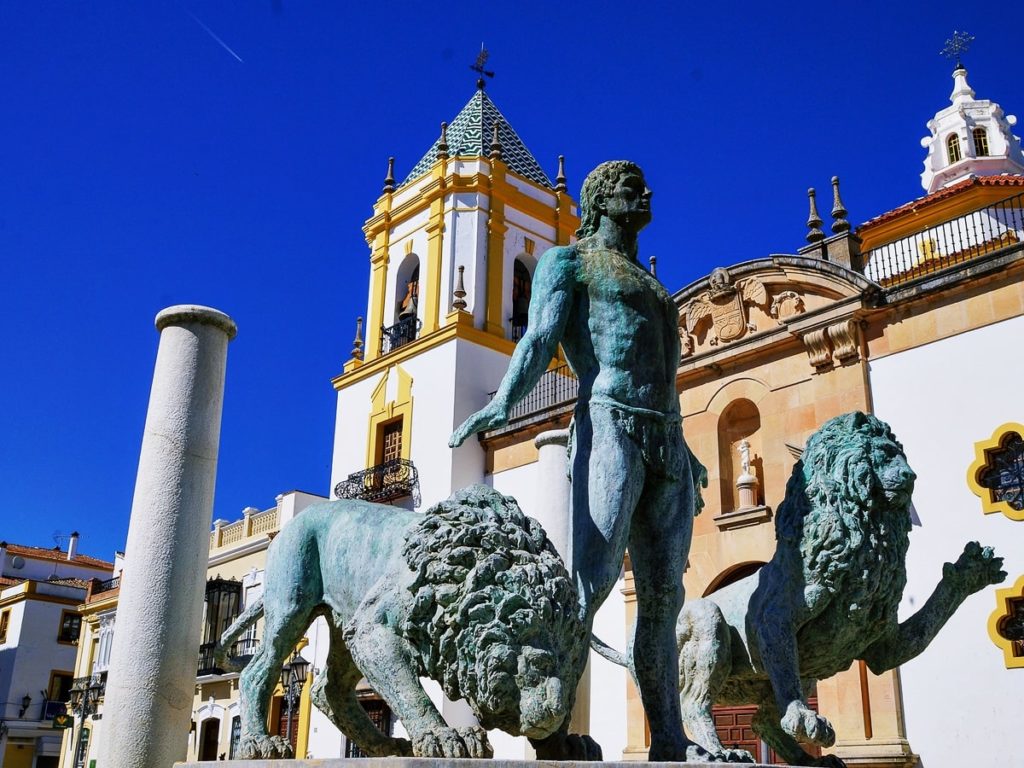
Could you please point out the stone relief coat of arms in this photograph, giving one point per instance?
(726, 303)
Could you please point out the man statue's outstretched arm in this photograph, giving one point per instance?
(553, 287)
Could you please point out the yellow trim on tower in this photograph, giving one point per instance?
(442, 335)
(435, 248)
(982, 449)
(494, 321)
(1004, 599)
(382, 412)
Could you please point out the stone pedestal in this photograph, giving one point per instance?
(553, 511)
(151, 680)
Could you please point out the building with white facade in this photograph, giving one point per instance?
(40, 590)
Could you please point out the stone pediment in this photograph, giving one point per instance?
(784, 293)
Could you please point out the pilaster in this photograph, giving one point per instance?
(496, 229)
(435, 234)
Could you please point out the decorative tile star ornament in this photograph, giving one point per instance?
(997, 474)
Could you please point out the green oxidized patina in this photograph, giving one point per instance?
(632, 474)
(471, 594)
(829, 596)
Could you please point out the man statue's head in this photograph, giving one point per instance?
(615, 189)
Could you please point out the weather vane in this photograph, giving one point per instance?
(481, 60)
(957, 45)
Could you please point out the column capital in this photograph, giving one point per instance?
(188, 314)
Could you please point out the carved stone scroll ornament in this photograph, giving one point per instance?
(837, 342)
(726, 303)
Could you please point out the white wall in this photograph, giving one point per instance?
(960, 700)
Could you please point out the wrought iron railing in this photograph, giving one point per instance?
(107, 586)
(53, 708)
(519, 325)
(556, 387)
(966, 237)
(398, 335)
(240, 652)
(382, 483)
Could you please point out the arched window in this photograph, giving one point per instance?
(522, 284)
(980, 142)
(953, 148)
(406, 323)
(732, 575)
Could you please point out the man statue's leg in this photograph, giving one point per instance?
(659, 543)
(607, 478)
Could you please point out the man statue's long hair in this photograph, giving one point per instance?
(600, 182)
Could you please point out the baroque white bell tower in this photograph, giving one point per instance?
(970, 137)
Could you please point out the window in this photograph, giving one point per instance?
(980, 142)
(5, 620)
(70, 627)
(380, 714)
(522, 285)
(953, 148)
(59, 688)
(997, 474)
(391, 441)
(236, 736)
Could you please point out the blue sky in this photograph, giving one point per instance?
(144, 164)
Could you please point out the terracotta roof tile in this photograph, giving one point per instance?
(41, 553)
(1004, 180)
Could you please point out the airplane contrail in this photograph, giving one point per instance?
(213, 34)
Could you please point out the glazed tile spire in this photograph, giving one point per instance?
(470, 134)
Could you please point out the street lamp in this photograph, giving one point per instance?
(26, 700)
(293, 677)
(85, 694)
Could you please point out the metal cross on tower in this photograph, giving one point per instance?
(481, 60)
(957, 45)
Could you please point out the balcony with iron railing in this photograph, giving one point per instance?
(101, 590)
(383, 483)
(398, 335)
(240, 654)
(554, 394)
(967, 237)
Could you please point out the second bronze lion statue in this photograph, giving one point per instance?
(829, 596)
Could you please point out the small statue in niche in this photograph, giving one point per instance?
(726, 303)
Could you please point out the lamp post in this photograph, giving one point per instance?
(83, 703)
(293, 677)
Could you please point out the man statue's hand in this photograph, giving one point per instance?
(495, 414)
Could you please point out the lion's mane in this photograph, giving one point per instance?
(836, 513)
(487, 583)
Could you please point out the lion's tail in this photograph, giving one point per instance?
(249, 617)
(602, 648)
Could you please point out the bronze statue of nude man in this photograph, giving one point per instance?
(632, 481)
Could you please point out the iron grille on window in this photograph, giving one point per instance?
(398, 335)
(383, 483)
(380, 715)
(1004, 474)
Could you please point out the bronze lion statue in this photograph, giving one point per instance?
(829, 596)
(471, 594)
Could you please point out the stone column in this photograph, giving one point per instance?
(553, 512)
(156, 639)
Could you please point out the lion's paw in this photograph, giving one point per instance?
(804, 724)
(452, 742)
(568, 746)
(830, 761)
(263, 746)
(475, 739)
(976, 568)
(697, 754)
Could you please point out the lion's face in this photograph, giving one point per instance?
(519, 691)
(894, 477)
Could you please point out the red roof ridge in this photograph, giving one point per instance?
(1002, 180)
(41, 553)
